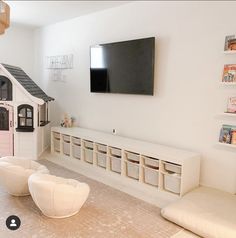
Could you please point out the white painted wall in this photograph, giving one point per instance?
(17, 48)
(189, 63)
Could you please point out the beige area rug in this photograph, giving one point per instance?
(185, 234)
(108, 213)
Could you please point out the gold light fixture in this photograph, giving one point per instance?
(4, 16)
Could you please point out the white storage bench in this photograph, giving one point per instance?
(156, 167)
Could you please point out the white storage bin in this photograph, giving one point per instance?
(66, 148)
(115, 164)
(66, 138)
(76, 151)
(101, 160)
(56, 143)
(151, 162)
(88, 144)
(56, 135)
(115, 152)
(132, 156)
(76, 141)
(132, 169)
(102, 148)
(172, 183)
(88, 156)
(171, 167)
(151, 176)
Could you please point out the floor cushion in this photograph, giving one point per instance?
(57, 197)
(205, 211)
(14, 174)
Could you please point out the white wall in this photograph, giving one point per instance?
(17, 48)
(189, 63)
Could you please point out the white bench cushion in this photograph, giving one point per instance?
(205, 211)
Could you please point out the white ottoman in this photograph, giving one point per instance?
(57, 197)
(14, 174)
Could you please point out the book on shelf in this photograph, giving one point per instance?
(229, 73)
(233, 136)
(225, 134)
(231, 107)
(228, 134)
(230, 43)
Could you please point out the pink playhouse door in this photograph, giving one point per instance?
(6, 130)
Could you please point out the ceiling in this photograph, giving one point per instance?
(41, 13)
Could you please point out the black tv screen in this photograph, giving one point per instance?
(123, 67)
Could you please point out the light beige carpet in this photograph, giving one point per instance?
(185, 234)
(108, 213)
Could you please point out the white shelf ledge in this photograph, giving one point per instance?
(230, 114)
(227, 145)
(229, 52)
(228, 83)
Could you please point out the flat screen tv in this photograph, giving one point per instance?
(123, 67)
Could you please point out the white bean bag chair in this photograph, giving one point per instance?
(205, 211)
(14, 174)
(57, 197)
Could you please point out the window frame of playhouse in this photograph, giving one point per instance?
(25, 128)
(8, 89)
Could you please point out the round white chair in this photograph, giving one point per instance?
(14, 174)
(57, 197)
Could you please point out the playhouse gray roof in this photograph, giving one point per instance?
(27, 82)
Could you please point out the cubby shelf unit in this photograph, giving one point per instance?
(148, 165)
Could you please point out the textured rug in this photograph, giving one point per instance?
(185, 234)
(108, 213)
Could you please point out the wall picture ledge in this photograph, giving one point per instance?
(57, 66)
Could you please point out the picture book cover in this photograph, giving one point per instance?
(229, 73)
(230, 43)
(231, 107)
(233, 136)
(225, 134)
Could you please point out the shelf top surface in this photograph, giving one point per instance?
(142, 147)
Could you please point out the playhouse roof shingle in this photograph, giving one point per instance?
(27, 82)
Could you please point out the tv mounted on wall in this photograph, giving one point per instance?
(123, 67)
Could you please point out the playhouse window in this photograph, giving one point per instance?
(5, 89)
(25, 118)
